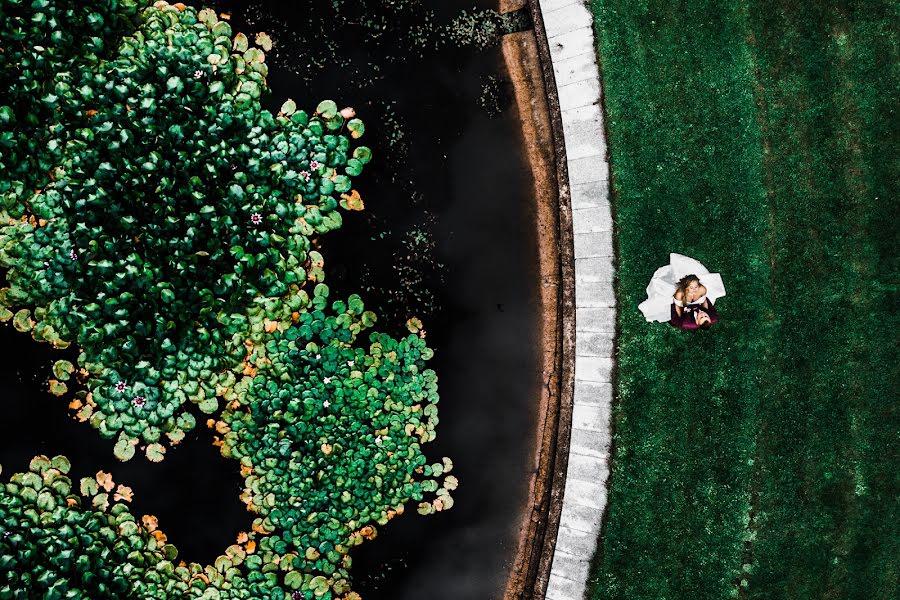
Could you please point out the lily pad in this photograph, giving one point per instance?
(363, 154)
(294, 580)
(414, 325)
(288, 108)
(254, 55)
(264, 41)
(124, 448)
(352, 201)
(22, 321)
(353, 168)
(241, 43)
(88, 486)
(63, 369)
(356, 127)
(327, 109)
(156, 452)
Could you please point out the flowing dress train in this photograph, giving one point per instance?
(661, 291)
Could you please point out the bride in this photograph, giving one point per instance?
(683, 293)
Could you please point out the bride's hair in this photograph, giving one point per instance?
(683, 284)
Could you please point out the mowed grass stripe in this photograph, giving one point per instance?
(688, 178)
(828, 520)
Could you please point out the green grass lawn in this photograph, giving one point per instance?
(758, 459)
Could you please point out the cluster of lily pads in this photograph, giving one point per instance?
(62, 540)
(329, 436)
(174, 203)
(156, 216)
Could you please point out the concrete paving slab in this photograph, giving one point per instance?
(587, 442)
(575, 68)
(591, 469)
(581, 116)
(562, 588)
(591, 393)
(588, 245)
(590, 294)
(596, 319)
(583, 121)
(593, 368)
(586, 493)
(567, 18)
(551, 5)
(582, 142)
(581, 518)
(590, 220)
(579, 94)
(591, 194)
(574, 568)
(595, 418)
(571, 43)
(595, 268)
(587, 169)
(576, 543)
(594, 343)
(591, 418)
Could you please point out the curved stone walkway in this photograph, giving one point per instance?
(570, 35)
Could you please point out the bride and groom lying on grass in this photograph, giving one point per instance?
(683, 293)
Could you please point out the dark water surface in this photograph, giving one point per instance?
(447, 236)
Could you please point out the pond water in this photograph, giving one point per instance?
(447, 236)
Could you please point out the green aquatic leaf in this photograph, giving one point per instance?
(22, 320)
(289, 107)
(61, 464)
(124, 448)
(155, 452)
(264, 41)
(354, 167)
(63, 369)
(363, 154)
(356, 127)
(241, 43)
(327, 109)
(254, 55)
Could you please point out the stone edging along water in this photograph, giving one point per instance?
(565, 30)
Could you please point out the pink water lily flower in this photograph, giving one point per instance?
(305, 175)
(120, 386)
(314, 165)
(256, 218)
(139, 401)
(73, 255)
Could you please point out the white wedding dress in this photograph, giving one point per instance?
(661, 291)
